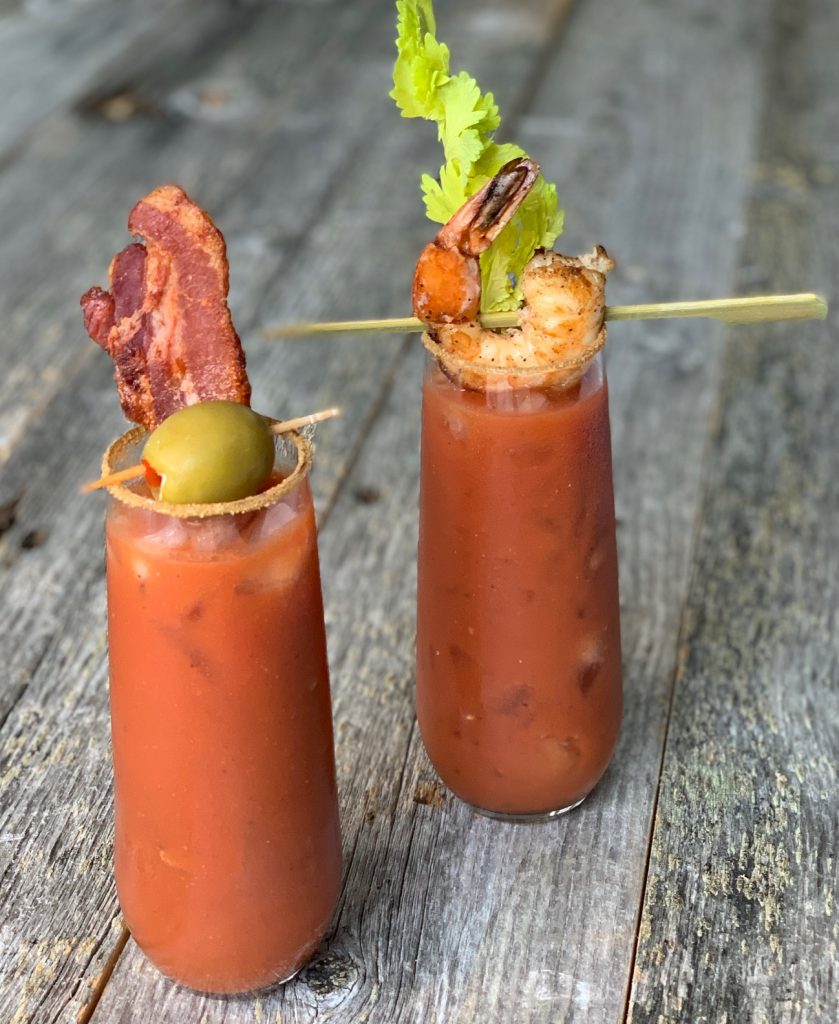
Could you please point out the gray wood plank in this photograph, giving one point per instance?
(52, 53)
(317, 210)
(740, 920)
(444, 916)
(47, 377)
(276, 158)
(289, 275)
(82, 173)
(48, 762)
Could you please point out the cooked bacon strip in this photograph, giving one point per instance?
(165, 322)
(98, 310)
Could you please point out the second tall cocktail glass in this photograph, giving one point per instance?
(518, 630)
(228, 854)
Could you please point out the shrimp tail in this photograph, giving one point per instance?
(447, 280)
(482, 218)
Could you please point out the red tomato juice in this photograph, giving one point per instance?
(518, 629)
(228, 858)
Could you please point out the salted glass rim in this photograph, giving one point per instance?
(116, 457)
(537, 372)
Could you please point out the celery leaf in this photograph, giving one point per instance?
(466, 120)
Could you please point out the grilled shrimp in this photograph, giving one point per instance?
(447, 281)
(561, 321)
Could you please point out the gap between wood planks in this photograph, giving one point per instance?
(89, 352)
(541, 65)
(714, 420)
(558, 23)
(675, 676)
(89, 1008)
(714, 430)
(373, 414)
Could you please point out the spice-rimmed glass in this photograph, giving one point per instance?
(227, 849)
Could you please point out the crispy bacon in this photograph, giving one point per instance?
(98, 309)
(165, 322)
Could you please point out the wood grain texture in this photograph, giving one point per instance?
(740, 920)
(299, 191)
(56, 816)
(83, 171)
(54, 52)
(445, 916)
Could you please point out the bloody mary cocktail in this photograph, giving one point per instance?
(228, 859)
(518, 631)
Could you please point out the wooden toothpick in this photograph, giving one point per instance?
(756, 309)
(121, 477)
(286, 426)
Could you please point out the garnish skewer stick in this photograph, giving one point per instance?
(277, 427)
(755, 309)
(121, 477)
(286, 426)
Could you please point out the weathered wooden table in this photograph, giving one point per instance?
(698, 141)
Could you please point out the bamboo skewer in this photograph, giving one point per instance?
(756, 309)
(753, 310)
(277, 427)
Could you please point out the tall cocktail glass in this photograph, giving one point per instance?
(518, 632)
(228, 858)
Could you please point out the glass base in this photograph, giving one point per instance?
(526, 819)
(247, 993)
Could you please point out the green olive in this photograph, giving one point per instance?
(211, 452)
